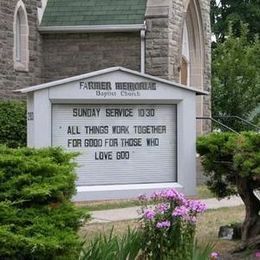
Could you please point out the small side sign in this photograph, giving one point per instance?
(30, 116)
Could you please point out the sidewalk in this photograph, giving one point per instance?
(104, 216)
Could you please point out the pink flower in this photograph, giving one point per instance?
(173, 195)
(161, 208)
(191, 219)
(195, 206)
(257, 254)
(163, 224)
(156, 195)
(149, 214)
(214, 256)
(180, 211)
(142, 197)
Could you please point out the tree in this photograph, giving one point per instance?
(236, 77)
(232, 163)
(235, 11)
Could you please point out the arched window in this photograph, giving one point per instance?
(193, 53)
(21, 34)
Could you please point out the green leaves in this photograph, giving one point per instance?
(227, 157)
(13, 123)
(236, 78)
(111, 247)
(224, 12)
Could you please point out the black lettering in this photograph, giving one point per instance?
(112, 142)
(96, 129)
(93, 143)
(104, 155)
(74, 112)
(146, 112)
(74, 143)
(152, 141)
(120, 129)
(131, 142)
(73, 130)
(86, 112)
(122, 155)
(150, 129)
(119, 112)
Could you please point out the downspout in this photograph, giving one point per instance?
(142, 35)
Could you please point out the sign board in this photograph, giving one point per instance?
(118, 144)
(135, 133)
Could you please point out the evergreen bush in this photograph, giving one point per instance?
(13, 123)
(37, 219)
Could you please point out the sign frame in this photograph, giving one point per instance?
(41, 98)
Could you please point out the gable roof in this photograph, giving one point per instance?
(93, 12)
(105, 71)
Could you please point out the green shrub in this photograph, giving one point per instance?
(13, 123)
(37, 219)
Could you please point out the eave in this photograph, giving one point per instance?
(92, 28)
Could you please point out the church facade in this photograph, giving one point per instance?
(47, 40)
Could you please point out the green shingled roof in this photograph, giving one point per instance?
(93, 12)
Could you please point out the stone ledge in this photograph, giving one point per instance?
(157, 12)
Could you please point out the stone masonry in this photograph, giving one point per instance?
(164, 20)
(67, 55)
(10, 79)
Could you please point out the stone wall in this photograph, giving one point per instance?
(72, 54)
(163, 38)
(164, 20)
(205, 7)
(10, 79)
(157, 38)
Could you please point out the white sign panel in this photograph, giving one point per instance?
(118, 144)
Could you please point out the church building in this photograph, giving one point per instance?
(47, 40)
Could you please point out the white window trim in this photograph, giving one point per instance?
(22, 64)
(186, 51)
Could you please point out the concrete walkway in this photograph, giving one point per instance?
(110, 215)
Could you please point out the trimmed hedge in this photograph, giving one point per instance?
(13, 123)
(37, 219)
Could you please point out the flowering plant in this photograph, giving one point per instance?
(168, 223)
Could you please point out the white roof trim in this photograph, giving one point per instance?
(92, 28)
(105, 71)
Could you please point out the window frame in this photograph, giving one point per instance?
(21, 38)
